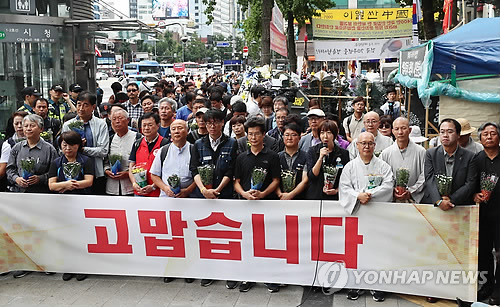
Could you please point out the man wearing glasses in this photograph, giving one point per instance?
(133, 106)
(371, 122)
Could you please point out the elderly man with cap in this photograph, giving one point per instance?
(314, 117)
(371, 122)
(404, 153)
(465, 140)
(30, 95)
(201, 129)
(60, 103)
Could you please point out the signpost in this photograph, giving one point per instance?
(222, 44)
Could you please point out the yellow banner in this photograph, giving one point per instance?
(367, 14)
(361, 29)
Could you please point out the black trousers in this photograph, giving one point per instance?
(99, 186)
(489, 237)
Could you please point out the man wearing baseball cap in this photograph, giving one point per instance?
(314, 117)
(74, 90)
(30, 95)
(60, 103)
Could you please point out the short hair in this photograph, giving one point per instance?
(170, 101)
(483, 126)
(169, 90)
(282, 99)
(293, 118)
(239, 107)
(226, 100)
(42, 99)
(87, 96)
(34, 118)
(294, 127)
(283, 110)
(143, 93)
(458, 127)
(256, 121)
(71, 138)
(188, 84)
(116, 87)
(204, 101)
(19, 113)
(329, 125)
(153, 115)
(257, 91)
(385, 119)
(119, 109)
(190, 96)
(133, 84)
(266, 101)
(359, 99)
(237, 119)
(313, 103)
(216, 96)
(213, 114)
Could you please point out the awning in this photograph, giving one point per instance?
(114, 25)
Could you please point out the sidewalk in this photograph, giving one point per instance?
(38, 289)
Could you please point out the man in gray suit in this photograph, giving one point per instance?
(451, 160)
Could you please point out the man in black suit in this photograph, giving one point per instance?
(451, 160)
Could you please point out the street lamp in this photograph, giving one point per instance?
(184, 39)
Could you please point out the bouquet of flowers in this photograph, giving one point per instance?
(288, 180)
(71, 170)
(374, 181)
(377, 153)
(140, 174)
(28, 167)
(402, 177)
(488, 183)
(175, 183)
(47, 136)
(258, 176)
(193, 125)
(330, 175)
(444, 184)
(115, 160)
(77, 126)
(207, 174)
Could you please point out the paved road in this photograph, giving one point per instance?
(38, 289)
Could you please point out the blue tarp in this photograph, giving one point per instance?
(473, 48)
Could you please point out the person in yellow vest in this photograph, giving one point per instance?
(60, 103)
(30, 95)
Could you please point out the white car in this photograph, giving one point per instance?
(101, 76)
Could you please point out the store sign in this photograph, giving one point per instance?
(22, 6)
(26, 33)
(411, 61)
(362, 29)
(334, 50)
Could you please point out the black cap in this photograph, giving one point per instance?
(75, 87)
(258, 90)
(390, 89)
(30, 90)
(104, 108)
(57, 88)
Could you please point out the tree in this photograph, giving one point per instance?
(125, 51)
(167, 49)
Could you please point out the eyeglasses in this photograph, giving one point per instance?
(212, 124)
(371, 122)
(366, 144)
(386, 126)
(131, 90)
(290, 135)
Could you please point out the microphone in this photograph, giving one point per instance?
(325, 145)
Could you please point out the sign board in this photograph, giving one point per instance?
(222, 44)
(411, 61)
(232, 62)
(362, 29)
(22, 6)
(245, 49)
(367, 14)
(277, 38)
(336, 50)
(165, 9)
(28, 33)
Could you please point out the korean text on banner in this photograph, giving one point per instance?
(335, 50)
(432, 253)
(367, 14)
(362, 29)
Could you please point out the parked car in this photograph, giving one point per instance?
(101, 76)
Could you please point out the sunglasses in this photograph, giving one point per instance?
(131, 90)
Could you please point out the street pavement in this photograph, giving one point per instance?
(38, 289)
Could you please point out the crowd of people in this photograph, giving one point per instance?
(183, 139)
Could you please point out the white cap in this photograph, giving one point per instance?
(316, 112)
(235, 99)
(201, 110)
(416, 135)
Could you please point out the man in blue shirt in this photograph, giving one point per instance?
(186, 112)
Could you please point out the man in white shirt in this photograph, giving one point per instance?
(254, 100)
(371, 122)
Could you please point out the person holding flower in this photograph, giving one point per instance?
(29, 160)
(488, 198)
(325, 162)
(407, 161)
(450, 172)
(73, 172)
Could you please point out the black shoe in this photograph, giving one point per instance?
(273, 288)
(5, 273)
(246, 286)
(168, 279)
(49, 273)
(67, 276)
(81, 277)
(231, 284)
(20, 274)
(378, 296)
(188, 280)
(206, 282)
(461, 303)
(431, 300)
(495, 297)
(354, 294)
(485, 292)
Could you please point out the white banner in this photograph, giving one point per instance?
(335, 50)
(398, 248)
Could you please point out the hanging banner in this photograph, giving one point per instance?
(367, 14)
(432, 253)
(335, 50)
(278, 39)
(411, 60)
(362, 29)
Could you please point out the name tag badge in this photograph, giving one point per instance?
(206, 158)
(224, 153)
